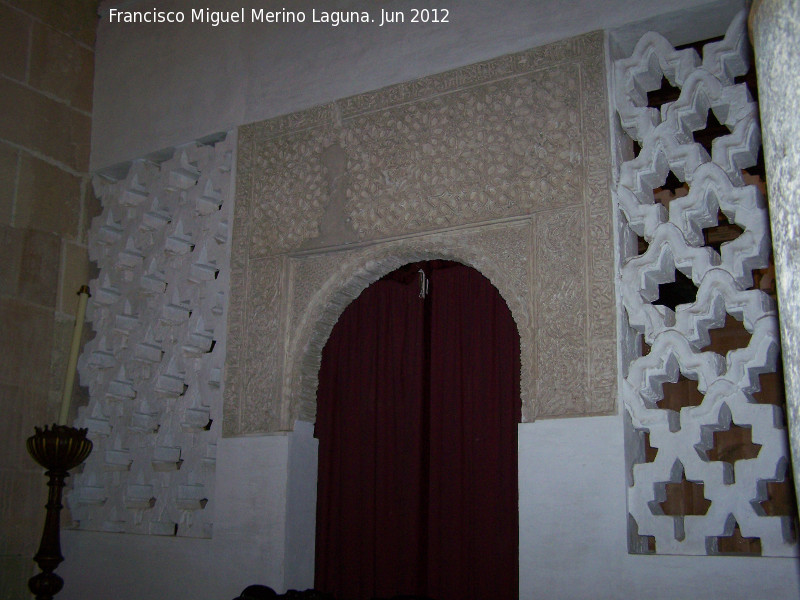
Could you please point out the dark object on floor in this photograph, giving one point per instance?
(262, 592)
(257, 592)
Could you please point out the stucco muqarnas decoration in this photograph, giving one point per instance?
(724, 282)
(502, 165)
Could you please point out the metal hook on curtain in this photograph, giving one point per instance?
(424, 284)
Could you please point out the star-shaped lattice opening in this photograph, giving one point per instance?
(776, 497)
(781, 500)
(732, 444)
(644, 347)
(679, 498)
(640, 544)
(649, 452)
(684, 498)
(641, 245)
(736, 544)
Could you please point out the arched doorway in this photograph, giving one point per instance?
(418, 405)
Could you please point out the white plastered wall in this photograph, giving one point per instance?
(155, 91)
(573, 531)
(158, 86)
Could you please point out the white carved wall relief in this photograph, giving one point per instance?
(731, 492)
(501, 165)
(154, 368)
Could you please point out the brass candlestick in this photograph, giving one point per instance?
(58, 450)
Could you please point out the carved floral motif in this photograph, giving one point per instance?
(503, 149)
(458, 165)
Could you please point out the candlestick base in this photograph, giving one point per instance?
(58, 450)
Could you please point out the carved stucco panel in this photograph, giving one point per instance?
(286, 210)
(346, 192)
(560, 298)
(308, 277)
(601, 324)
(602, 376)
(289, 191)
(499, 252)
(503, 149)
(600, 267)
(261, 406)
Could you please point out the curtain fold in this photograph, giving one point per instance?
(474, 411)
(418, 405)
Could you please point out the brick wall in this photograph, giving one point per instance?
(46, 205)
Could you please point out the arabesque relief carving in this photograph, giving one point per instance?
(499, 150)
(501, 165)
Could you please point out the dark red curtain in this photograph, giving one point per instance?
(418, 406)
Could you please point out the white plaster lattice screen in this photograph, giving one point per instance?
(724, 282)
(154, 367)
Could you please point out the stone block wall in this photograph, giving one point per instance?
(46, 70)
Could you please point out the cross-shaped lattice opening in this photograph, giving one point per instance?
(665, 93)
(679, 394)
(680, 291)
(641, 245)
(724, 231)
(712, 130)
(764, 279)
(731, 336)
(671, 189)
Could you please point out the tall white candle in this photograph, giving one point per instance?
(66, 396)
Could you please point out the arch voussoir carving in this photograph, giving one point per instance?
(480, 248)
